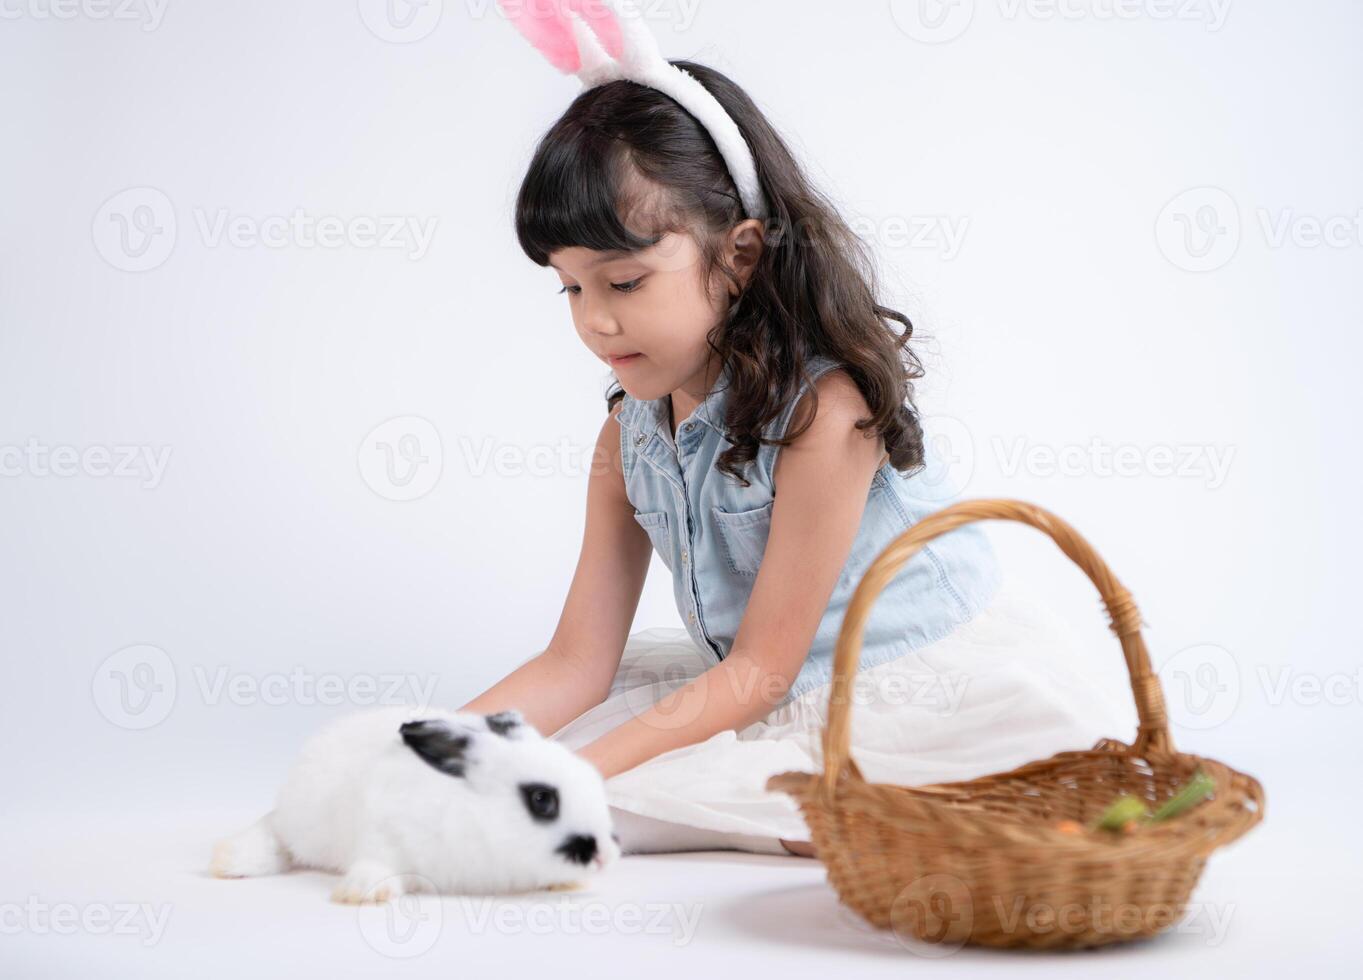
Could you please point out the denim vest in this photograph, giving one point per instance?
(711, 532)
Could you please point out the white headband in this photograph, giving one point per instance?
(619, 45)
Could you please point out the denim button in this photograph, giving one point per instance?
(692, 617)
(683, 554)
(639, 439)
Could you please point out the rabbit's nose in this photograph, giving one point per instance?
(580, 848)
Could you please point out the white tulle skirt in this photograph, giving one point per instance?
(1005, 688)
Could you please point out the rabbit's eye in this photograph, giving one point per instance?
(541, 800)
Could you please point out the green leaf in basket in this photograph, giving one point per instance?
(1194, 791)
(1122, 811)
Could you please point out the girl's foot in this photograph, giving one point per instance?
(803, 848)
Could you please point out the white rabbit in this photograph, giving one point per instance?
(409, 799)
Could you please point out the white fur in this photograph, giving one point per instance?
(361, 802)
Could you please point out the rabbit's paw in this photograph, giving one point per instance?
(366, 882)
(564, 886)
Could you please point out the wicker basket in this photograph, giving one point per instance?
(982, 861)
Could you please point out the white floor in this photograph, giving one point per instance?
(118, 896)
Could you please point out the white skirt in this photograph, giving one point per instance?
(1005, 688)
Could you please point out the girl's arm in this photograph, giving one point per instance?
(824, 478)
(574, 673)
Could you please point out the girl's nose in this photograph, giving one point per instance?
(596, 317)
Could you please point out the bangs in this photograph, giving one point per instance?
(576, 190)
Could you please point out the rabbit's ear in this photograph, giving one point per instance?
(510, 723)
(439, 744)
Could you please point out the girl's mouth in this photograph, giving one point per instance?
(624, 359)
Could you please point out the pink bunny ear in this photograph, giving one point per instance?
(546, 24)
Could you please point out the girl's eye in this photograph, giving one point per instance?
(619, 287)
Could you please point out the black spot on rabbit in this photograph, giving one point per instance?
(438, 745)
(505, 722)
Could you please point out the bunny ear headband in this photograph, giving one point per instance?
(619, 45)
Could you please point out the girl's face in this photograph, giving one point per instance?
(652, 305)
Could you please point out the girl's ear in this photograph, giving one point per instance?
(743, 249)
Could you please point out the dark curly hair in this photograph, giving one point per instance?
(624, 149)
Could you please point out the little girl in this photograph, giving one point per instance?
(752, 353)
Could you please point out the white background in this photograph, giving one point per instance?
(1104, 221)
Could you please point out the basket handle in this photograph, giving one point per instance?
(1152, 735)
